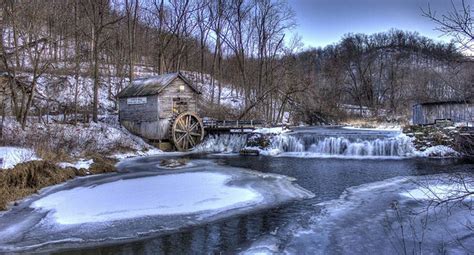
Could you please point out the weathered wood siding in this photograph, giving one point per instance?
(152, 120)
(424, 114)
(141, 119)
(139, 112)
(156, 130)
(172, 91)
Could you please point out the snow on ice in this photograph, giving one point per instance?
(143, 200)
(364, 213)
(184, 193)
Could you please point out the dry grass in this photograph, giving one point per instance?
(373, 123)
(27, 178)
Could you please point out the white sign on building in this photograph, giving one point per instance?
(136, 100)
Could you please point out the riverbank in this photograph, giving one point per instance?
(27, 178)
(35, 226)
(455, 141)
(44, 155)
(142, 200)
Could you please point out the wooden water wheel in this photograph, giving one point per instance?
(187, 131)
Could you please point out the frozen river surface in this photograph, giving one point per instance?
(232, 204)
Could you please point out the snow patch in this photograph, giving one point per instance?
(140, 153)
(80, 164)
(11, 156)
(273, 130)
(439, 151)
(379, 127)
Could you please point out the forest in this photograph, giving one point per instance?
(244, 47)
(209, 127)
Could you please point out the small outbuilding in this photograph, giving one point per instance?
(431, 112)
(163, 109)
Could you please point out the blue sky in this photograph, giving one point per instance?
(322, 22)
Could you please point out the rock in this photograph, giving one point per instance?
(249, 152)
(173, 163)
(258, 140)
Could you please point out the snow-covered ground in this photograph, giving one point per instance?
(102, 137)
(143, 200)
(438, 151)
(228, 97)
(11, 156)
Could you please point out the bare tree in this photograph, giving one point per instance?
(100, 19)
(131, 13)
(458, 23)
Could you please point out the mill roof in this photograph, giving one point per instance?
(153, 85)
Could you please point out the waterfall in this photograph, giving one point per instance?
(223, 143)
(398, 146)
(317, 144)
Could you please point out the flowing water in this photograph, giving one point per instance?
(356, 176)
(322, 142)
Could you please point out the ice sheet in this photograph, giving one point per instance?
(184, 193)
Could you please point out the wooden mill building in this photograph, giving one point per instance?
(163, 109)
(431, 112)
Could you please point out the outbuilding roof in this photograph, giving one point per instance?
(153, 85)
(445, 102)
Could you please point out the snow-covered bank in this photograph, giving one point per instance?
(438, 151)
(140, 203)
(382, 127)
(11, 156)
(137, 153)
(75, 140)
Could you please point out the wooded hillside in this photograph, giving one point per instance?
(236, 46)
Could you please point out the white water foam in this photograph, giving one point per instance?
(225, 143)
(314, 145)
(398, 146)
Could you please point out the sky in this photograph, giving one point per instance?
(323, 22)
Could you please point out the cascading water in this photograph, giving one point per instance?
(397, 146)
(223, 143)
(324, 144)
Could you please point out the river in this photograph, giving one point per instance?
(357, 177)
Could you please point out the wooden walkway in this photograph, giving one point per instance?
(232, 126)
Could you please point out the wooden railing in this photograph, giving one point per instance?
(233, 123)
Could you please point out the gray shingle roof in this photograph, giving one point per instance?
(152, 85)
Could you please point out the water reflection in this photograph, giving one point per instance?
(222, 236)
